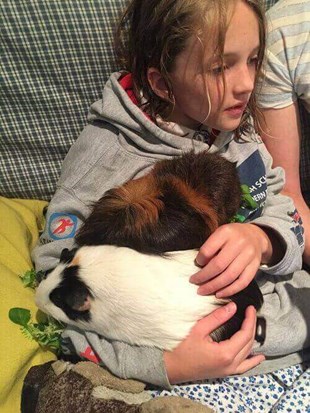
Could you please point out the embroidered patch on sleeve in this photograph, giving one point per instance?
(297, 228)
(62, 226)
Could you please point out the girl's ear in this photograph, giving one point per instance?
(157, 83)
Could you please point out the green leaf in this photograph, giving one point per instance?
(247, 197)
(29, 279)
(39, 326)
(46, 331)
(238, 218)
(19, 316)
(250, 201)
(245, 189)
(27, 333)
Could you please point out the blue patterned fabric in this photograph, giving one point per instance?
(285, 391)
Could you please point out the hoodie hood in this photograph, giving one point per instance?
(117, 108)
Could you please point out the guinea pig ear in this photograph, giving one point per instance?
(67, 255)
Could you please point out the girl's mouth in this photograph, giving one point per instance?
(237, 110)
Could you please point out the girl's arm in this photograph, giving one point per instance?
(273, 242)
(94, 164)
(197, 357)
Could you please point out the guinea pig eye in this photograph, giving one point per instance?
(42, 275)
(72, 295)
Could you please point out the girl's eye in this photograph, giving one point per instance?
(218, 70)
(254, 61)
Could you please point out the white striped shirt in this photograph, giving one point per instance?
(288, 57)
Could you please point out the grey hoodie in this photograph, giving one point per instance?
(120, 143)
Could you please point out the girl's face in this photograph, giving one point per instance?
(199, 94)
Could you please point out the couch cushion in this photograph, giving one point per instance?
(56, 57)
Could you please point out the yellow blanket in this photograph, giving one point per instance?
(20, 222)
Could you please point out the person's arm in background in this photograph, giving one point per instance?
(281, 135)
(285, 86)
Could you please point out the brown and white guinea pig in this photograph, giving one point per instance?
(128, 281)
(174, 207)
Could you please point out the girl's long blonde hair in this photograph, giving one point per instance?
(152, 33)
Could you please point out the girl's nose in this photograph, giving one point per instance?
(244, 81)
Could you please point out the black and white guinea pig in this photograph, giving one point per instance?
(129, 279)
(125, 295)
(128, 296)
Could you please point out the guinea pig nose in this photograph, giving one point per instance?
(78, 298)
(85, 306)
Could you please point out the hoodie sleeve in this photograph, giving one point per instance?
(123, 360)
(281, 216)
(64, 217)
(76, 188)
(95, 163)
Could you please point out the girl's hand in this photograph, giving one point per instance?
(230, 258)
(198, 357)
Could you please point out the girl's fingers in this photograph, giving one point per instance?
(217, 318)
(211, 247)
(230, 252)
(226, 278)
(243, 339)
(244, 353)
(250, 363)
(240, 283)
(246, 350)
(216, 265)
(241, 343)
(202, 276)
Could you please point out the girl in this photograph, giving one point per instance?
(189, 71)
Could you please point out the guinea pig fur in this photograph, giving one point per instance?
(109, 285)
(126, 295)
(174, 207)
